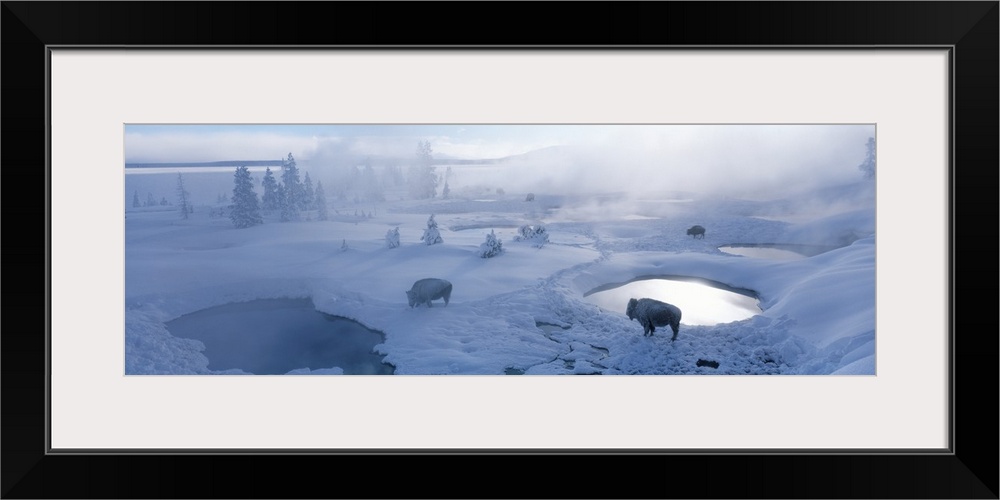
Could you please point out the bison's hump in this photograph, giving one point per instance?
(652, 308)
(430, 282)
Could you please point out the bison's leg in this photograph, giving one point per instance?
(648, 327)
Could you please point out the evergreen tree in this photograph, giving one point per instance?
(270, 185)
(372, 186)
(392, 175)
(423, 182)
(431, 235)
(320, 200)
(867, 167)
(294, 192)
(307, 193)
(150, 201)
(392, 238)
(491, 247)
(183, 197)
(135, 200)
(288, 210)
(536, 234)
(446, 190)
(245, 210)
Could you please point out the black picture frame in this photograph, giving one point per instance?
(969, 28)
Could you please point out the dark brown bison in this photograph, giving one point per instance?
(652, 313)
(697, 231)
(428, 289)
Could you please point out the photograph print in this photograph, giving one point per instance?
(499, 249)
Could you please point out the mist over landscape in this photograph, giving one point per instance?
(743, 160)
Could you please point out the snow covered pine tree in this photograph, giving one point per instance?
(392, 238)
(245, 209)
(867, 167)
(319, 201)
(270, 198)
(293, 191)
(536, 235)
(491, 247)
(431, 234)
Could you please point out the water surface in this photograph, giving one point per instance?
(276, 336)
(700, 302)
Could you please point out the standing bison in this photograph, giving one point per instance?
(428, 289)
(697, 231)
(653, 313)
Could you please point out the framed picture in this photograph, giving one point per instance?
(861, 333)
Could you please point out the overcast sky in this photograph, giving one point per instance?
(183, 143)
(696, 155)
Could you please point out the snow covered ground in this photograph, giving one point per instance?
(524, 310)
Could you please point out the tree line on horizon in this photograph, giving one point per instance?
(291, 195)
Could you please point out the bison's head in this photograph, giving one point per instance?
(630, 310)
(411, 297)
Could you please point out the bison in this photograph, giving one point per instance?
(530, 197)
(428, 289)
(696, 231)
(652, 313)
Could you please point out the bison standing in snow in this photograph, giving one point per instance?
(696, 231)
(653, 313)
(428, 289)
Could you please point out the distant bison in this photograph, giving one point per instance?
(653, 313)
(530, 197)
(428, 289)
(697, 231)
